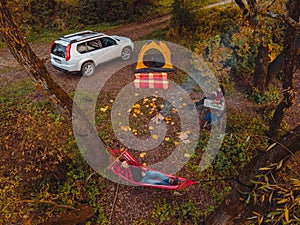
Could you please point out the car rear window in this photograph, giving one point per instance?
(59, 50)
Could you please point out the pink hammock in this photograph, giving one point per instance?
(117, 169)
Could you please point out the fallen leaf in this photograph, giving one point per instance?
(187, 155)
(125, 128)
(154, 136)
(143, 154)
(145, 100)
(104, 109)
(136, 106)
(137, 111)
(183, 136)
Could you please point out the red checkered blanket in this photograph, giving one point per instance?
(151, 80)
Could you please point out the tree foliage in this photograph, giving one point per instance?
(59, 14)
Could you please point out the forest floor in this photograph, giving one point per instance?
(132, 203)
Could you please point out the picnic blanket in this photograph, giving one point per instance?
(151, 80)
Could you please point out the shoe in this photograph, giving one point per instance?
(174, 181)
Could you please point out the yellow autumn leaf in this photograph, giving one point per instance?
(296, 182)
(264, 168)
(286, 214)
(136, 106)
(136, 111)
(279, 164)
(104, 109)
(176, 143)
(143, 154)
(282, 201)
(154, 136)
(125, 128)
(167, 139)
(271, 146)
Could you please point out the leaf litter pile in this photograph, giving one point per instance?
(140, 114)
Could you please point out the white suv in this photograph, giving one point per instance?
(83, 51)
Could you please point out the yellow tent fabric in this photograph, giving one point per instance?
(163, 49)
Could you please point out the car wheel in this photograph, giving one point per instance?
(126, 53)
(88, 69)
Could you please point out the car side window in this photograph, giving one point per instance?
(93, 45)
(81, 48)
(106, 42)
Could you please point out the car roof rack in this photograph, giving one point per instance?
(79, 36)
(81, 33)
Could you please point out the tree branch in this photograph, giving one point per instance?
(284, 18)
(234, 207)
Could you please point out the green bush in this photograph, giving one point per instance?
(272, 95)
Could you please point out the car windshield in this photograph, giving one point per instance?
(58, 50)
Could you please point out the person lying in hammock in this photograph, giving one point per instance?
(148, 176)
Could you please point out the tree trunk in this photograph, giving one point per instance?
(288, 71)
(242, 6)
(261, 68)
(28, 60)
(234, 207)
(275, 67)
(20, 49)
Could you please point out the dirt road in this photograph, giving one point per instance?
(11, 71)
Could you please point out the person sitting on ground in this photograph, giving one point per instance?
(142, 175)
(216, 96)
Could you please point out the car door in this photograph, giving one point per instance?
(111, 48)
(95, 51)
